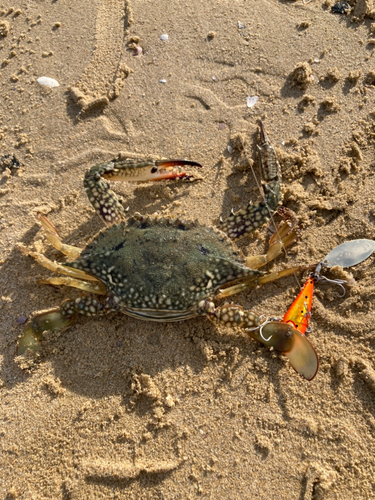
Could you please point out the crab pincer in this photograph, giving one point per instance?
(146, 170)
(173, 169)
(104, 200)
(268, 159)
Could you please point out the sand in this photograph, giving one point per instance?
(119, 408)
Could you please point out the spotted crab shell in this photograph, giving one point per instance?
(160, 269)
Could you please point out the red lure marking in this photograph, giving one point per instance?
(298, 315)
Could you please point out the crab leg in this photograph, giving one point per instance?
(98, 287)
(253, 216)
(104, 200)
(267, 278)
(55, 266)
(281, 336)
(55, 240)
(286, 234)
(60, 318)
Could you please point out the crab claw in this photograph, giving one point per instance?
(295, 346)
(33, 333)
(171, 169)
(140, 170)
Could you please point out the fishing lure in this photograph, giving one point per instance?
(298, 315)
(288, 335)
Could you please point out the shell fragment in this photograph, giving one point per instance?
(48, 82)
(251, 101)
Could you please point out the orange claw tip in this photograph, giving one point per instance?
(176, 163)
(303, 357)
(170, 175)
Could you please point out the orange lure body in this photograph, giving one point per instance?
(298, 315)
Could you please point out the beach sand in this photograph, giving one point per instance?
(117, 408)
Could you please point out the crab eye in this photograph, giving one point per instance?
(154, 170)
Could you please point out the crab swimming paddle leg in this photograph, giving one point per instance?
(60, 318)
(33, 332)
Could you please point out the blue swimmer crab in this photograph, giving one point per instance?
(163, 269)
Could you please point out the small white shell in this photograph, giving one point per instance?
(48, 82)
(251, 101)
(230, 149)
(240, 25)
(164, 37)
(162, 81)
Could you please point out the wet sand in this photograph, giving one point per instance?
(119, 408)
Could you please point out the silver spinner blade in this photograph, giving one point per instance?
(349, 253)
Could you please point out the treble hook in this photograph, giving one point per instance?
(261, 332)
(338, 282)
(260, 327)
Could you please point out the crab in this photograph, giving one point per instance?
(163, 269)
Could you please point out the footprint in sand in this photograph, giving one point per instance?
(104, 75)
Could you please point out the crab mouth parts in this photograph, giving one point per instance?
(159, 315)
